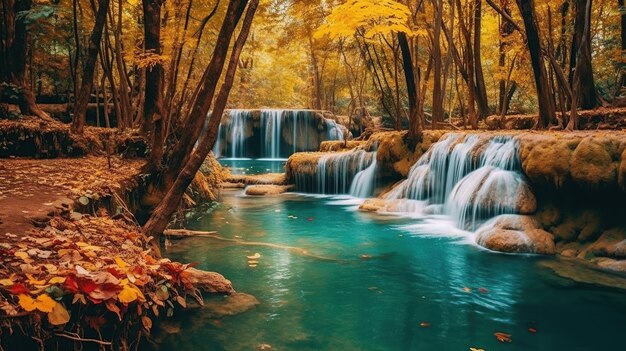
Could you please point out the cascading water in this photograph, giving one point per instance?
(352, 173)
(469, 179)
(273, 133)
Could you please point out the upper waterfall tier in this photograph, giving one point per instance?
(274, 133)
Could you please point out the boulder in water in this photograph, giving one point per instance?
(231, 305)
(515, 233)
(267, 189)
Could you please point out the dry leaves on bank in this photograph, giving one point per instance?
(92, 261)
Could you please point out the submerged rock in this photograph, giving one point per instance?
(231, 305)
(268, 189)
(515, 233)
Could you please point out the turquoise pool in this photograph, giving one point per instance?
(377, 285)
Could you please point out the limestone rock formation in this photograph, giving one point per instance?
(515, 233)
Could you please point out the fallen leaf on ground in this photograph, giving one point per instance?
(59, 315)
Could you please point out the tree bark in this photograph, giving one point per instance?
(14, 52)
(437, 89)
(163, 212)
(585, 86)
(153, 103)
(481, 90)
(544, 95)
(204, 92)
(80, 106)
(415, 127)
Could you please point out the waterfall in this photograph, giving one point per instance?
(273, 133)
(271, 123)
(472, 179)
(351, 172)
(231, 137)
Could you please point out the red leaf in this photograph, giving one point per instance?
(18, 288)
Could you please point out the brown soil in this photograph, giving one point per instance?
(31, 189)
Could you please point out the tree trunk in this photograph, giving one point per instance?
(437, 89)
(14, 50)
(415, 127)
(163, 212)
(153, 103)
(587, 96)
(204, 92)
(481, 91)
(80, 106)
(544, 95)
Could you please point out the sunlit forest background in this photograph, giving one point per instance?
(292, 58)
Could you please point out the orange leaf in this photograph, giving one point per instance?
(147, 322)
(59, 315)
(503, 337)
(43, 303)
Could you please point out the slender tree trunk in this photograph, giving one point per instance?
(573, 120)
(415, 127)
(153, 103)
(586, 90)
(163, 212)
(544, 95)
(80, 106)
(204, 92)
(481, 91)
(437, 88)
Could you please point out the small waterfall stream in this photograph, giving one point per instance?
(273, 133)
(352, 173)
(465, 178)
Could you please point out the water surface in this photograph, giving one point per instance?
(253, 166)
(376, 284)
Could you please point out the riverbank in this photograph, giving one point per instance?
(75, 266)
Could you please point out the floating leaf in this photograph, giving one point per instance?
(467, 290)
(424, 324)
(532, 330)
(59, 315)
(503, 337)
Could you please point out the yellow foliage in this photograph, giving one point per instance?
(43, 303)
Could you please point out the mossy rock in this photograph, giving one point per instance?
(592, 165)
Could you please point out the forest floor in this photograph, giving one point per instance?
(31, 189)
(60, 267)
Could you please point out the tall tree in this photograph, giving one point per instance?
(89, 67)
(163, 212)
(580, 60)
(153, 103)
(481, 90)
(545, 101)
(15, 17)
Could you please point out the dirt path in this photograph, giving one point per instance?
(31, 188)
